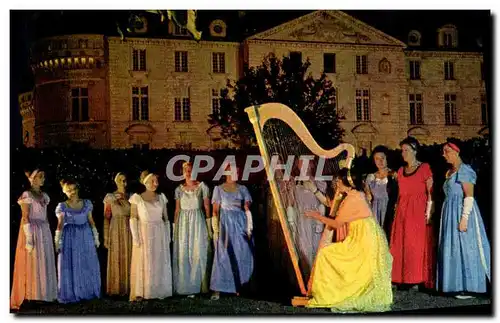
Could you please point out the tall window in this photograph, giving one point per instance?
(182, 109)
(181, 61)
(363, 105)
(414, 70)
(329, 63)
(296, 58)
(216, 96)
(415, 109)
(484, 110)
(219, 62)
(79, 104)
(140, 106)
(449, 73)
(448, 40)
(361, 64)
(180, 31)
(139, 59)
(450, 109)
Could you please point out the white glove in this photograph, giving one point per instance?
(215, 227)
(249, 222)
(29, 237)
(58, 240)
(96, 237)
(428, 210)
(209, 228)
(291, 215)
(468, 205)
(310, 186)
(134, 230)
(173, 231)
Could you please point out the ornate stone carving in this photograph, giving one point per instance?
(384, 66)
(329, 29)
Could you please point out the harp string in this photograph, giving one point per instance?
(280, 139)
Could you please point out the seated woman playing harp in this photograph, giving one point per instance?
(353, 275)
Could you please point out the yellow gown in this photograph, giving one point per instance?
(354, 275)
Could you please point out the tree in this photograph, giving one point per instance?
(285, 81)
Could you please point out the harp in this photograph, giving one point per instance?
(279, 131)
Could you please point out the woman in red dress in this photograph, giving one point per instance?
(411, 236)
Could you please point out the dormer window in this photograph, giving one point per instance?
(448, 37)
(218, 28)
(414, 38)
(448, 40)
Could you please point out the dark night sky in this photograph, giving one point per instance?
(27, 26)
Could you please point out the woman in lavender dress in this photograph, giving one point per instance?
(34, 268)
(232, 230)
(381, 190)
(308, 231)
(76, 240)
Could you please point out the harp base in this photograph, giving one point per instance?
(300, 301)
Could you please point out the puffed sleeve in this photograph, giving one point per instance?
(370, 178)
(216, 197)
(25, 198)
(109, 198)
(321, 185)
(163, 199)
(246, 194)
(466, 175)
(134, 199)
(46, 198)
(205, 191)
(90, 206)
(426, 171)
(178, 193)
(60, 210)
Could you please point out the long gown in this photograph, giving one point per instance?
(355, 274)
(150, 269)
(191, 242)
(233, 258)
(309, 230)
(383, 191)
(411, 237)
(464, 259)
(118, 240)
(34, 272)
(78, 265)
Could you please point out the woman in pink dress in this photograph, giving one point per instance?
(35, 267)
(150, 269)
(411, 235)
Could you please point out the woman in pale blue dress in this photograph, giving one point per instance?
(76, 240)
(191, 236)
(464, 262)
(232, 226)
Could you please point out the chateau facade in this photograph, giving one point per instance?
(158, 92)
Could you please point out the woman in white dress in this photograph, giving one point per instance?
(150, 270)
(191, 236)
